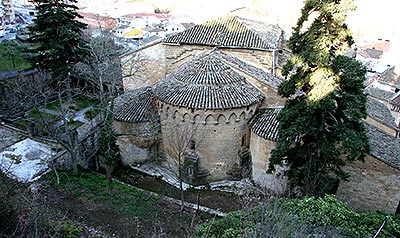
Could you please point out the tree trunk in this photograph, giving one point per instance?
(182, 197)
(68, 89)
(180, 180)
(109, 170)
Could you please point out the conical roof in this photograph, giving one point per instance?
(207, 83)
(265, 123)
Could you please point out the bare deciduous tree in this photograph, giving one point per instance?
(181, 143)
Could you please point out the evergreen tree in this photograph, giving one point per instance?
(320, 127)
(56, 37)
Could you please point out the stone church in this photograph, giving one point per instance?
(207, 102)
(204, 105)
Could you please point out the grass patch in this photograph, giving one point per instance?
(218, 200)
(80, 102)
(76, 124)
(34, 113)
(92, 187)
(84, 102)
(11, 56)
(92, 113)
(54, 105)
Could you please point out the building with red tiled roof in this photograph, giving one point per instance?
(95, 21)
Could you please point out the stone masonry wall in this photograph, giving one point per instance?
(373, 185)
(271, 95)
(143, 67)
(178, 54)
(260, 155)
(217, 136)
(258, 58)
(136, 142)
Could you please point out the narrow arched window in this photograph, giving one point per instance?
(192, 145)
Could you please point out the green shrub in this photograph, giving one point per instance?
(301, 218)
(329, 211)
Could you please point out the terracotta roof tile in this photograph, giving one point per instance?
(230, 31)
(384, 146)
(379, 93)
(395, 103)
(135, 106)
(265, 123)
(380, 112)
(205, 82)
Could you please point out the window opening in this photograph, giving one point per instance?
(192, 145)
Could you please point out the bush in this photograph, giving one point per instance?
(267, 220)
(328, 211)
(307, 217)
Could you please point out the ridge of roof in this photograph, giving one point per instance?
(380, 112)
(378, 92)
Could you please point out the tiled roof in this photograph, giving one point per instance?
(205, 82)
(135, 106)
(389, 76)
(255, 72)
(230, 31)
(265, 123)
(396, 100)
(379, 93)
(380, 112)
(370, 53)
(395, 103)
(383, 45)
(384, 146)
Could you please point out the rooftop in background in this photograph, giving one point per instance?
(379, 93)
(94, 21)
(143, 14)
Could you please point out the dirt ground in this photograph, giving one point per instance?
(217, 200)
(86, 206)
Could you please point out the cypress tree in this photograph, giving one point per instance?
(57, 43)
(320, 127)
